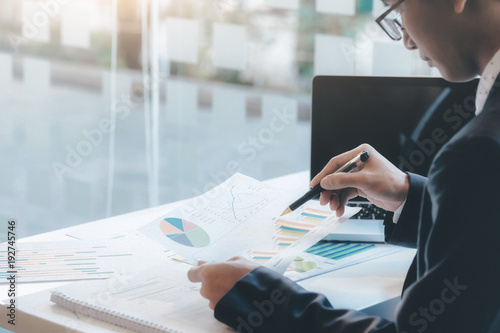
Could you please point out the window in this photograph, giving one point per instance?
(113, 106)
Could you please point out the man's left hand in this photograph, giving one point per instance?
(217, 279)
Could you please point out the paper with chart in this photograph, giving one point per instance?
(301, 229)
(325, 257)
(239, 216)
(80, 260)
(229, 220)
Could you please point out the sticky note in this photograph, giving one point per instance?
(75, 25)
(338, 7)
(333, 55)
(229, 46)
(182, 39)
(36, 22)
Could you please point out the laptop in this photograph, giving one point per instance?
(407, 119)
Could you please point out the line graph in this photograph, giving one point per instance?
(237, 203)
(231, 219)
(232, 203)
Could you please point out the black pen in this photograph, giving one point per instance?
(350, 166)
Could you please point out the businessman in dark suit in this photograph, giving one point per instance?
(451, 217)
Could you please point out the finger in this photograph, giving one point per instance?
(325, 197)
(334, 164)
(334, 207)
(340, 211)
(201, 262)
(204, 292)
(338, 181)
(194, 274)
(345, 196)
(235, 258)
(334, 200)
(211, 305)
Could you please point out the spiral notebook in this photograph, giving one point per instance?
(160, 301)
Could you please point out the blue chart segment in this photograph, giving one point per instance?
(184, 232)
(337, 251)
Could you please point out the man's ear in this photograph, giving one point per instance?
(459, 6)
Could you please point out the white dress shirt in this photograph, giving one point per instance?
(486, 83)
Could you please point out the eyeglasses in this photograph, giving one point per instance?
(390, 21)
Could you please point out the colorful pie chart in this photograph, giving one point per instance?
(184, 232)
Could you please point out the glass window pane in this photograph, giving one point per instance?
(102, 119)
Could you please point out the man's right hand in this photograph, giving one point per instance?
(379, 181)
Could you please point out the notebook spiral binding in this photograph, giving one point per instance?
(109, 316)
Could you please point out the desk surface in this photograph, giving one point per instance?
(357, 287)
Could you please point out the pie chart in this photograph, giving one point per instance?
(184, 232)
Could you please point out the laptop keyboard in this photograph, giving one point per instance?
(368, 212)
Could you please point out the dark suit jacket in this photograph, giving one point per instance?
(454, 283)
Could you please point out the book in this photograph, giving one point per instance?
(161, 300)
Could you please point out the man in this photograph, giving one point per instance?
(454, 282)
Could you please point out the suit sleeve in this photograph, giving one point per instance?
(405, 232)
(264, 301)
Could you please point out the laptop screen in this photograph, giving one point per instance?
(406, 119)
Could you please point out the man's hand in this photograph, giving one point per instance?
(217, 279)
(379, 181)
